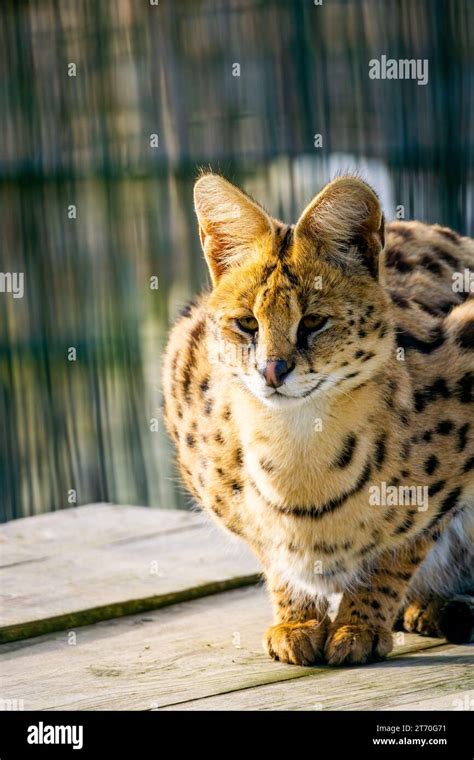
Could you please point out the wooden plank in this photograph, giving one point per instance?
(41, 536)
(436, 674)
(441, 672)
(98, 562)
(204, 654)
(450, 701)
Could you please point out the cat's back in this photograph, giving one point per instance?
(424, 270)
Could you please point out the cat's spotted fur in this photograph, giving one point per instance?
(380, 395)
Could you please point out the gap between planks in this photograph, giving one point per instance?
(81, 566)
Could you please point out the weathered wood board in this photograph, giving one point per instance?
(194, 644)
(206, 654)
(79, 566)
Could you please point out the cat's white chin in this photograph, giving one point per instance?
(281, 397)
(279, 400)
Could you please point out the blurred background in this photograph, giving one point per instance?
(97, 163)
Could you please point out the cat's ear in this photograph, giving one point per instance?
(230, 223)
(346, 222)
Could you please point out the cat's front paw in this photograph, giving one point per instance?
(356, 644)
(296, 643)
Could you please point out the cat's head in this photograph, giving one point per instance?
(295, 311)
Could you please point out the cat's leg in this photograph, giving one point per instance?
(451, 618)
(440, 600)
(422, 616)
(301, 624)
(362, 629)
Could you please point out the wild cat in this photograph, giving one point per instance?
(320, 397)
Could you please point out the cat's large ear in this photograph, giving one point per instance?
(346, 222)
(230, 223)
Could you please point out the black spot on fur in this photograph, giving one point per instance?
(365, 550)
(398, 299)
(318, 511)
(449, 234)
(446, 257)
(186, 310)
(462, 436)
(444, 427)
(267, 270)
(407, 525)
(285, 244)
(380, 450)
(431, 464)
(394, 258)
(465, 388)
(345, 457)
(425, 396)
(436, 487)
(387, 591)
(291, 276)
(437, 309)
(410, 342)
(198, 330)
(469, 465)
(449, 502)
(432, 266)
(186, 383)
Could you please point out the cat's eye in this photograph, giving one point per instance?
(248, 324)
(313, 322)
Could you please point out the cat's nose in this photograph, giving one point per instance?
(275, 372)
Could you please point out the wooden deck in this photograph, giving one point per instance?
(108, 607)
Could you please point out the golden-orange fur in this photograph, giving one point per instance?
(381, 396)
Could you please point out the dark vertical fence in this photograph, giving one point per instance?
(84, 426)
